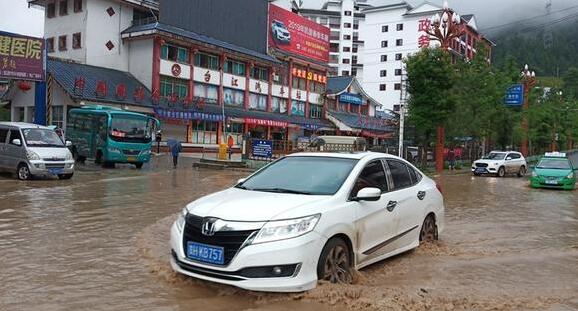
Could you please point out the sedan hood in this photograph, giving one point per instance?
(487, 161)
(244, 205)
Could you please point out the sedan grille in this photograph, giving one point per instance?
(481, 164)
(230, 241)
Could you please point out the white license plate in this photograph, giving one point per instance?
(551, 182)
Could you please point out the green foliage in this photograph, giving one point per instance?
(4, 114)
(571, 82)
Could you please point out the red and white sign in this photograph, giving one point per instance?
(176, 70)
(423, 40)
(295, 34)
(266, 122)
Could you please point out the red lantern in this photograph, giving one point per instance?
(24, 86)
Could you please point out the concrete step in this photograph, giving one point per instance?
(227, 163)
(213, 166)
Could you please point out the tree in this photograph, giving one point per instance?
(430, 80)
(571, 82)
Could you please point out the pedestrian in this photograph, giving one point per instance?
(175, 148)
(452, 159)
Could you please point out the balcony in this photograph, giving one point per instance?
(334, 26)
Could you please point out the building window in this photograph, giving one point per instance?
(279, 105)
(50, 45)
(299, 83)
(355, 49)
(382, 87)
(384, 44)
(398, 56)
(346, 37)
(234, 67)
(344, 73)
(233, 97)
(396, 107)
(383, 73)
(51, 10)
(399, 27)
(399, 42)
(384, 28)
(57, 116)
(258, 101)
(209, 92)
(355, 25)
(383, 58)
(260, 73)
(345, 61)
(77, 6)
(354, 71)
(346, 49)
(62, 43)
(297, 108)
(354, 59)
(63, 7)
(347, 13)
(398, 72)
(173, 86)
(76, 41)
(174, 53)
(204, 132)
(207, 61)
(397, 86)
(346, 25)
(315, 111)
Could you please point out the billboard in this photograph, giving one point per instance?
(21, 57)
(295, 34)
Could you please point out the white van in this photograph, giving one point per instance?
(31, 150)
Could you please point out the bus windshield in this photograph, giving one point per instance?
(126, 128)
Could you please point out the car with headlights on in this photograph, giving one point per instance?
(500, 163)
(554, 170)
(307, 217)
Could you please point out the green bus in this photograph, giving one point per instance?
(110, 135)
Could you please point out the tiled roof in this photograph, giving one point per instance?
(66, 73)
(337, 85)
(467, 17)
(198, 37)
(363, 122)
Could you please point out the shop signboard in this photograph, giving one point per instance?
(21, 57)
(515, 95)
(295, 34)
(170, 114)
(262, 148)
(351, 98)
(265, 122)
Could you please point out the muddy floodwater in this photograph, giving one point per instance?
(100, 242)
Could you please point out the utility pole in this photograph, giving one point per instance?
(402, 110)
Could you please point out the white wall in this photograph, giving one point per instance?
(68, 25)
(141, 60)
(101, 28)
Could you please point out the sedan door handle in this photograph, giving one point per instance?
(421, 195)
(391, 205)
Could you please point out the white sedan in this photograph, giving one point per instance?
(306, 217)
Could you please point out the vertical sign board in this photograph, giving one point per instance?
(262, 148)
(515, 95)
(295, 34)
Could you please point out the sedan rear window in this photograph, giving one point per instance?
(302, 175)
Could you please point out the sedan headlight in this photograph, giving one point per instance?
(570, 176)
(534, 174)
(31, 155)
(181, 220)
(286, 229)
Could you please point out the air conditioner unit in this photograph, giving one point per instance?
(276, 78)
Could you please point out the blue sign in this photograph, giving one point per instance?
(262, 148)
(351, 98)
(515, 95)
(187, 115)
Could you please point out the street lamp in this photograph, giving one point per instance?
(529, 81)
(444, 28)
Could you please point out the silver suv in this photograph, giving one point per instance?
(30, 150)
(501, 163)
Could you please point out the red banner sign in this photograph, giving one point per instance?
(21, 57)
(266, 122)
(295, 34)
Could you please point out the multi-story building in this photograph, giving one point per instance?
(343, 17)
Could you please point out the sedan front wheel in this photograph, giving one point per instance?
(334, 263)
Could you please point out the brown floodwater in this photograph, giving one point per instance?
(100, 242)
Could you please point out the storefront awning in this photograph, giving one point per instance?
(355, 122)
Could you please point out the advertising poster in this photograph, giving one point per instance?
(295, 34)
(21, 57)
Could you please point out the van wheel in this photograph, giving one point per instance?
(65, 176)
(138, 165)
(23, 172)
(334, 263)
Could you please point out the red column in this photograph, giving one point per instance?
(249, 67)
(270, 92)
(290, 87)
(192, 53)
(524, 147)
(156, 78)
(307, 85)
(221, 91)
(440, 149)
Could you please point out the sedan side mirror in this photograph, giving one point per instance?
(508, 159)
(241, 180)
(17, 142)
(68, 143)
(368, 194)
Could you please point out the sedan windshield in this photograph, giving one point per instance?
(37, 137)
(130, 129)
(556, 164)
(495, 156)
(302, 175)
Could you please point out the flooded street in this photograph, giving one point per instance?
(100, 242)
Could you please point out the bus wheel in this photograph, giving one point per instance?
(138, 165)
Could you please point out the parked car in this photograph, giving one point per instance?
(305, 217)
(280, 32)
(554, 170)
(32, 150)
(501, 163)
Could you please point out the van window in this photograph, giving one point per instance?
(3, 135)
(399, 174)
(15, 134)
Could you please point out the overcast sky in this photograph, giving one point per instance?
(15, 16)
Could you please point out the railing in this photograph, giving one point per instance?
(143, 21)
